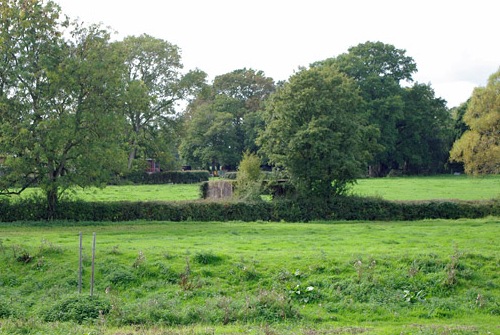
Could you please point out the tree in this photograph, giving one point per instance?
(424, 132)
(379, 69)
(249, 177)
(479, 147)
(154, 87)
(212, 137)
(224, 119)
(59, 122)
(317, 131)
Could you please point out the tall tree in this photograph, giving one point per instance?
(379, 69)
(425, 132)
(479, 147)
(59, 122)
(317, 130)
(224, 119)
(154, 85)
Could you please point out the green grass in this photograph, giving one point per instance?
(431, 188)
(404, 188)
(165, 192)
(425, 277)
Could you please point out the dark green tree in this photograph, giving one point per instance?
(379, 69)
(224, 119)
(316, 129)
(59, 124)
(425, 132)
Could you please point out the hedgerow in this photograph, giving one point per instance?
(338, 208)
(165, 177)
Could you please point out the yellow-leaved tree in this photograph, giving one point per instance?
(479, 148)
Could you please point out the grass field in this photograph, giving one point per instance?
(407, 188)
(431, 188)
(425, 277)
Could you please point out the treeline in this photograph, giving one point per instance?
(77, 109)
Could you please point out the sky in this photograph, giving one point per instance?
(455, 43)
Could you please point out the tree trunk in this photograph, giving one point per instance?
(52, 201)
(131, 157)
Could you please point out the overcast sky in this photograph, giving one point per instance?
(455, 44)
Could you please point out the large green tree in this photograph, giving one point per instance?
(425, 132)
(316, 129)
(59, 125)
(401, 114)
(154, 86)
(479, 147)
(378, 69)
(224, 119)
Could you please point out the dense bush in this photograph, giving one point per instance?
(166, 177)
(78, 308)
(338, 208)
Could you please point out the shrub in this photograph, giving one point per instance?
(5, 310)
(78, 309)
(166, 177)
(206, 258)
(336, 208)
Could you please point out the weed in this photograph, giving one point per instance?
(21, 255)
(413, 297)
(141, 258)
(186, 282)
(114, 250)
(452, 270)
(207, 258)
(46, 247)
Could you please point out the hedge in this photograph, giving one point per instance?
(341, 208)
(165, 177)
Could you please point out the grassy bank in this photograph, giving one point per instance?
(425, 277)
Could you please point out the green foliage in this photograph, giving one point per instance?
(60, 122)
(166, 177)
(415, 126)
(223, 121)
(207, 258)
(341, 208)
(249, 177)
(316, 130)
(77, 309)
(154, 85)
(479, 147)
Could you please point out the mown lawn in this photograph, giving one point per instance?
(425, 277)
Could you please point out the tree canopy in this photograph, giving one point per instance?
(479, 147)
(154, 85)
(59, 122)
(316, 129)
(223, 121)
(400, 113)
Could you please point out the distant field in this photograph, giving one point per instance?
(167, 192)
(426, 277)
(406, 188)
(430, 188)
